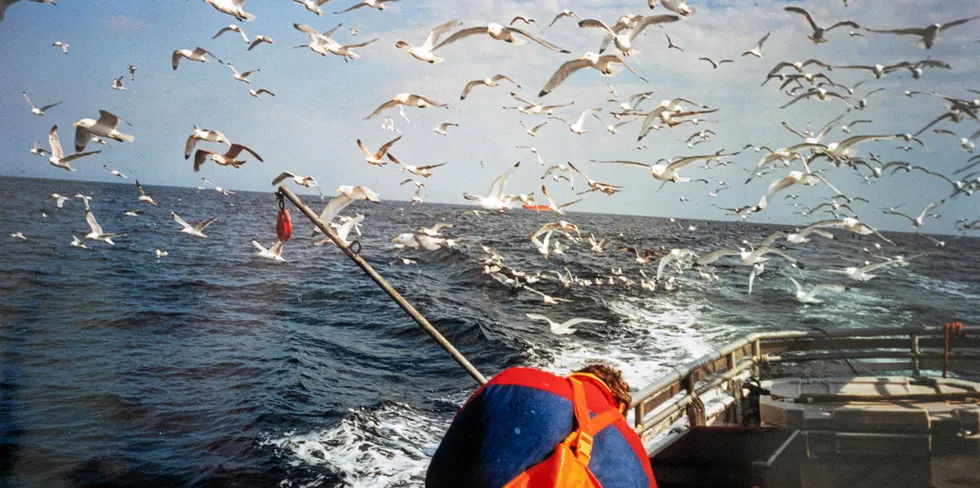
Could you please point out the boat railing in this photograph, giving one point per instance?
(913, 350)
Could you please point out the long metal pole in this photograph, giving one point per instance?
(407, 307)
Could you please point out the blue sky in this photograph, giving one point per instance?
(310, 127)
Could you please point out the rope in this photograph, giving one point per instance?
(950, 330)
(407, 307)
(834, 343)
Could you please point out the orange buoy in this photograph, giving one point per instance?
(284, 225)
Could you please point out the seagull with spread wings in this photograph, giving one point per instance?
(818, 32)
(229, 158)
(608, 65)
(35, 110)
(510, 35)
(928, 35)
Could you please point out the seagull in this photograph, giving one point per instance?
(441, 130)
(233, 28)
(863, 273)
(117, 84)
(207, 135)
(114, 172)
(62, 45)
(818, 32)
(853, 225)
(530, 108)
(595, 185)
(798, 66)
(76, 242)
(604, 64)
(196, 55)
(241, 76)
(676, 6)
(491, 82)
(255, 93)
(500, 33)
(348, 194)
(343, 230)
(104, 127)
(226, 159)
(323, 43)
(636, 25)
(879, 70)
(495, 199)
(307, 181)
(671, 45)
(597, 247)
(715, 65)
(929, 35)
(34, 109)
(405, 99)
(678, 255)
(614, 128)
(132, 213)
(533, 150)
(132, 72)
(965, 142)
(377, 159)
(562, 14)
(564, 328)
(422, 171)
(424, 51)
(85, 199)
(434, 231)
(579, 126)
(667, 172)
(161, 254)
(917, 221)
(58, 158)
(846, 128)
(97, 234)
(59, 200)
(235, 8)
(811, 296)
(37, 150)
(522, 18)
(757, 50)
(195, 230)
(216, 188)
(805, 178)
(274, 252)
(554, 207)
(18, 235)
(377, 4)
(312, 5)
(533, 131)
(259, 39)
(143, 197)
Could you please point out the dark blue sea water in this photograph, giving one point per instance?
(213, 367)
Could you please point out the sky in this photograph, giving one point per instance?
(311, 125)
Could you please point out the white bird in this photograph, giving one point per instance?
(676, 6)
(863, 273)
(259, 39)
(348, 195)
(161, 254)
(196, 230)
(805, 178)
(597, 247)
(233, 28)
(563, 14)
(206, 135)
(274, 252)
(554, 207)
(441, 130)
(376, 4)
(18, 235)
(196, 55)
(500, 33)
(35, 110)
(635, 24)
(757, 50)
(241, 76)
(216, 188)
(534, 151)
(917, 221)
(435, 230)
(668, 171)
(533, 131)
(377, 159)
(76, 242)
(312, 5)
(495, 199)
(117, 84)
(613, 128)
(608, 65)
(97, 234)
(579, 126)
(132, 72)
(490, 82)
(716, 64)
(255, 93)
(757, 270)
(423, 171)
(114, 172)
(85, 199)
(423, 52)
(229, 158)
(104, 127)
(564, 328)
(821, 95)
(818, 32)
(928, 34)
(323, 44)
(62, 45)
(59, 200)
(307, 181)
(234, 8)
(37, 150)
(405, 99)
(343, 230)
(965, 142)
(58, 158)
(679, 255)
(811, 296)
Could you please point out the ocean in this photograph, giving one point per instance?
(214, 367)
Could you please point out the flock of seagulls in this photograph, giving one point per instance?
(804, 83)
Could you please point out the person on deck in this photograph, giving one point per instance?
(523, 426)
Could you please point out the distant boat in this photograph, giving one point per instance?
(538, 208)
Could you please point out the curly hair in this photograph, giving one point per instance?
(613, 378)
